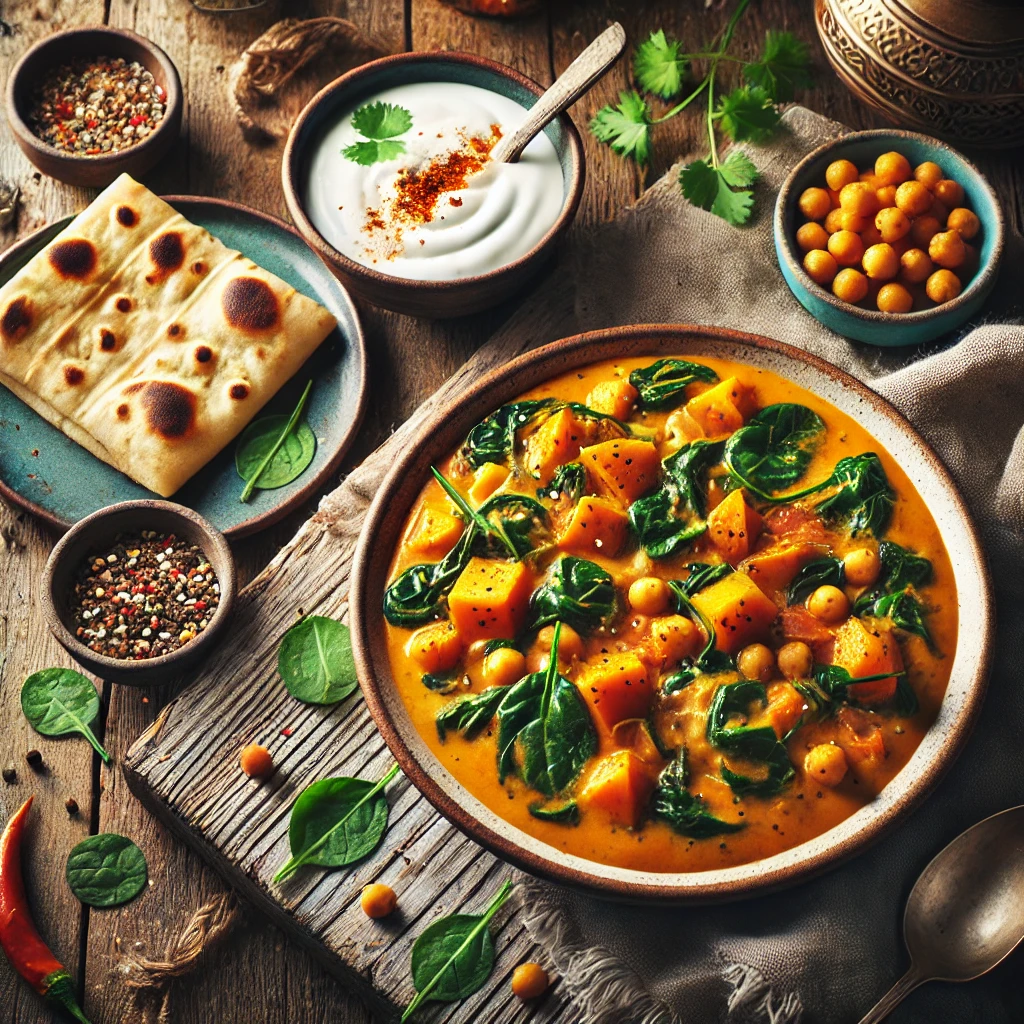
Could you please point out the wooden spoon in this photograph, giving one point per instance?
(965, 915)
(570, 85)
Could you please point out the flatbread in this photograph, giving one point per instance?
(148, 341)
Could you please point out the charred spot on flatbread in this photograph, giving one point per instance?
(250, 305)
(123, 304)
(170, 408)
(167, 252)
(199, 268)
(73, 375)
(127, 217)
(74, 257)
(108, 340)
(203, 354)
(123, 411)
(176, 331)
(17, 319)
(239, 391)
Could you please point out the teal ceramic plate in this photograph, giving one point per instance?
(47, 473)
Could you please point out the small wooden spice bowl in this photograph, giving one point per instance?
(93, 41)
(101, 528)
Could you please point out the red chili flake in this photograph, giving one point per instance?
(136, 121)
(91, 123)
(286, 732)
(200, 605)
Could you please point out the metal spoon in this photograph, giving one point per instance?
(965, 915)
(570, 85)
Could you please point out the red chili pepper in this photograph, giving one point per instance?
(25, 949)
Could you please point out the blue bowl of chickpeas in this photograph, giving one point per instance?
(888, 237)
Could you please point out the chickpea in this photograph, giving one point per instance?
(894, 298)
(947, 249)
(828, 604)
(868, 178)
(923, 229)
(850, 285)
(881, 262)
(964, 222)
(529, 981)
(826, 764)
(913, 198)
(648, 595)
(862, 566)
(756, 662)
(942, 286)
(928, 174)
(846, 247)
(853, 222)
(859, 198)
(796, 660)
(892, 169)
(821, 266)
(815, 203)
(915, 266)
(505, 666)
(834, 221)
(256, 761)
(892, 223)
(378, 900)
(811, 236)
(570, 644)
(949, 192)
(886, 196)
(840, 173)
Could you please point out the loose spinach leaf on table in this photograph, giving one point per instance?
(864, 500)
(454, 957)
(417, 595)
(60, 701)
(567, 813)
(687, 814)
(336, 822)
(472, 714)
(106, 870)
(315, 661)
(578, 592)
(570, 480)
(663, 384)
(827, 571)
(894, 595)
(263, 450)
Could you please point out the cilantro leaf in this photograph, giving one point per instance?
(747, 113)
(381, 120)
(708, 187)
(738, 170)
(373, 152)
(625, 127)
(784, 67)
(658, 66)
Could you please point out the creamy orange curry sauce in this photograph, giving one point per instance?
(671, 615)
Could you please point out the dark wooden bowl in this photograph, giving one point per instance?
(91, 534)
(93, 41)
(428, 298)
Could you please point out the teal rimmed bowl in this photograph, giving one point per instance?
(871, 325)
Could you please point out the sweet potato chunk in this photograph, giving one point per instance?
(799, 624)
(865, 651)
(557, 440)
(740, 613)
(623, 468)
(671, 638)
(487, 479)
(490, 599)
(785, 706)
(774, 569)
(597, 526)
(435, 531)
(861, 739)
(723, 408)
(436, 647)
(620, 785)
(733, 526)
(617, 688)
(613, 398)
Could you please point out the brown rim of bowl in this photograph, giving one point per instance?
(212, 537)
(503, 384)
(171, 84)
(271, 516)
(982, 282)
(290, 168)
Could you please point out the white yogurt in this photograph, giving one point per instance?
(501, 214)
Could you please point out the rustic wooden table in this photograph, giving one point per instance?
(259, 976)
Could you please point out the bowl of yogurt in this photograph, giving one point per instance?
(388, 175)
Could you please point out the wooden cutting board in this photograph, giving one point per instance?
(185, 767)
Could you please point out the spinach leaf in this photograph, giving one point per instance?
(475, 519)
(60, 701)
(567, 813)
(440, 684)
(578, 592)
(864, 500)
(336, 822)
(674, 515)
(454, 957)
(835, 680)
(259, 464)
(496, 645)
(687, 814)
(821, 572)
(710, 660)
(106, 870)
(774, 449)
(315, 661)
(417, 595)
(570, 481)
(702, 575)
(520, 522)
(894, 595)
(289, 461)
(663, 384)
(472, 714)
(493, 439)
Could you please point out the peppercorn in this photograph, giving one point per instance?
(71, 805)
(35, 759)
(10, 775)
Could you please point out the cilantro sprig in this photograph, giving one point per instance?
(748, 112)
(380, 124)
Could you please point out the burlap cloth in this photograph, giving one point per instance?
(826, 950)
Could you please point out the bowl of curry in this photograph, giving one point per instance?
(672, 613)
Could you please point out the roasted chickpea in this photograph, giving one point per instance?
(828, 604)
(834, 221)
(928, 174)
(529, 981)
(949, 192)
(913, 198)
(850, 285)
(821, 266)
(846, 247)
(862, 566)
(570, 644)
(892, 169)
(795, 660)
(923, 229)
(648, 595)
(826, 764)
(378, 900)
(859, 198)
(840, 173)
(811, 236)
(853, 222)
(870, 235)
(756, 662)
(256, 761)
(942, 286)
(881, 262)
(892, 223)
(894, 298)
(947, 249)
(869, 179)
(915, 266)
(506, 666)
(964, 222)
(815, 203)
